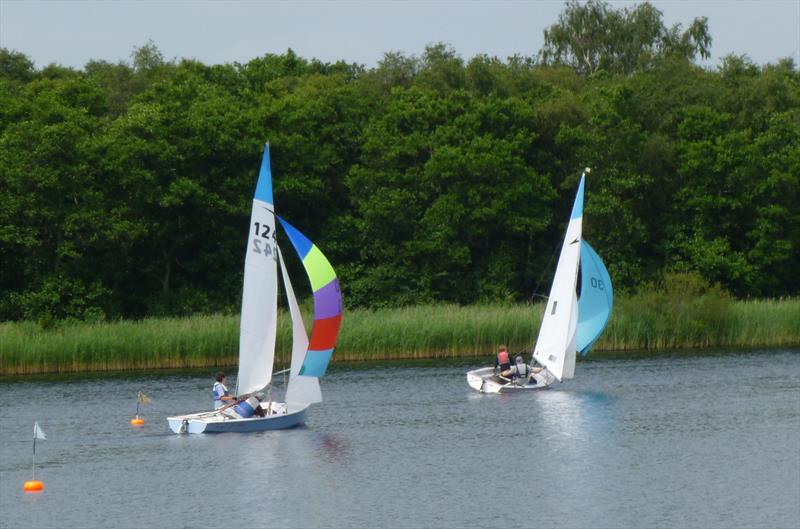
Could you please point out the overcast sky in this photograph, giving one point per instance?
(72, 32)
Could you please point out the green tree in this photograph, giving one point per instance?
(446, 200)
(593, 36)
(52, 205)
(15, 66)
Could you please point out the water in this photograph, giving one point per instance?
(672, 441)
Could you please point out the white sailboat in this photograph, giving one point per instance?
(570, 325)
(258, 328)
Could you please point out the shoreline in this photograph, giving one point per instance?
(594, 356)
(427, 332)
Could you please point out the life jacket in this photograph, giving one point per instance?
(520, 370)
(216, 396)
(503, 360)
(247, 408)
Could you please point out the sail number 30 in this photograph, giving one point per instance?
(597, 283)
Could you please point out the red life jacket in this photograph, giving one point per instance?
(502, 358)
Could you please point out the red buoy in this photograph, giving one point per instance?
(33, 486)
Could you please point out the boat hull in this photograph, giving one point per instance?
(210, 422)
(486, 381)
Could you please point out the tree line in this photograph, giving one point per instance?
(126, 187)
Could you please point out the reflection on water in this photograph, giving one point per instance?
(666, 442)
(577, 415)
(332, 449)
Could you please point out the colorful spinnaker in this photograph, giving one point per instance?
(327, 302)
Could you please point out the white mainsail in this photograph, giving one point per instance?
(300, 390)
(260, 293)
(555, 346)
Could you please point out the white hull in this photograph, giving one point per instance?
(486, 381)
(279, 418)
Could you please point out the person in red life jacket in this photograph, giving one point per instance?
(502, 361)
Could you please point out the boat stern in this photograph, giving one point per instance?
(481, 380)
(181, 425)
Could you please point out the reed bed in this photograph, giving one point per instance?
(435, 331)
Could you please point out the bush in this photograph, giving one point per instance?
(682, 310)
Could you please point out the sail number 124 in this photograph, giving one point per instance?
(263, 232)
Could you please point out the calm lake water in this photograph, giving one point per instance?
(671, 441)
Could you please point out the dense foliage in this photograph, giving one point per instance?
(125, 188)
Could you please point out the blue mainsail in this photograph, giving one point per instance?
(597, 296)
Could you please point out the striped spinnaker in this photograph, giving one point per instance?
(327, 302)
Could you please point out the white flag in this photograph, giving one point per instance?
(37, 432)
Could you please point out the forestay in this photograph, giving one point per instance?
(555, 345)
(259, 297)
(597, 297)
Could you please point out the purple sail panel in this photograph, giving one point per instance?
(328, 301)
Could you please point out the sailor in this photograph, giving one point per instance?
(521, 372)
(246, 408)
(520, 369)
(503, 361)
(220, 392)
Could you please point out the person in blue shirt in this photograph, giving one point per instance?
(220, 392)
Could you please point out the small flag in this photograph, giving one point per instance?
(38, 433)
(143, 399)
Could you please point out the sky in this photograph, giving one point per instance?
(72, 32)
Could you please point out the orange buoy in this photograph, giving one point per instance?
(136, 421)
(33, 486)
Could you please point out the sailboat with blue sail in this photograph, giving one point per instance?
(256, 410)
(570, 325)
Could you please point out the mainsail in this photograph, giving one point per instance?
(555, 345)
(327, 303)
(260, 293)
(597, 297)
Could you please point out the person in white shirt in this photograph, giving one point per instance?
(220, 392)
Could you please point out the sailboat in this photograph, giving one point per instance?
(571, 324)
(258, 328)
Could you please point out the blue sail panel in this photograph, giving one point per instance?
(301, 243)
(264, 185)
(597, 297)
(577, 206)
(316, 363)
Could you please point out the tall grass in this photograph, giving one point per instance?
(652, 320)
(436, 331)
